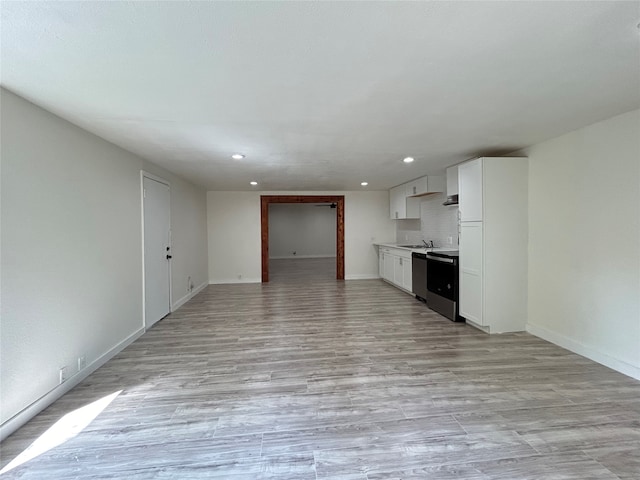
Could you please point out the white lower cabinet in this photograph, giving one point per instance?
(407, 275)
(389, 260)
(395, 267)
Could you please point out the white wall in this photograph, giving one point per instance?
(303, 228)
(71, 259)
(584, 241)
(234, 233)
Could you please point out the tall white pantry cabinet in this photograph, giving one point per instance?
(493, 243)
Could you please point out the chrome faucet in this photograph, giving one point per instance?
(426, 244)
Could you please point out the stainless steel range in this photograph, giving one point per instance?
(442, 284)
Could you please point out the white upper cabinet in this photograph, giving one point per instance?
(404, 200)
(398, 202)
(470, 191)
(452, 180)
(425, 185)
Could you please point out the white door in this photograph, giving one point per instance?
(157, 250)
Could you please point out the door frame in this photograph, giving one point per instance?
(151, 176)
(266, 200)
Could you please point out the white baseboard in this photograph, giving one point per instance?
(585, 350)
(301, 256)
(224, 281)
(177, 304)
(361, 276)
(22, 417)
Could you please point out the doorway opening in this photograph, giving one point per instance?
(333, 201)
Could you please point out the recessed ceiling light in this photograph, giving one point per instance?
(408, 159)
(364, 184)
(253, 183)
(237, 156)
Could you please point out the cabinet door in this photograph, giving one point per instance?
(424, 185)
(398, 273)
(381, 263)
(407, 274)
(397, 202)
(452, 180)
(470, 191)
(471, 266)
(389, 266)
(418, 186)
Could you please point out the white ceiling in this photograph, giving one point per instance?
(322, 95)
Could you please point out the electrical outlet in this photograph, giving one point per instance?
(64, 374)
(82, 362)
(450, 240)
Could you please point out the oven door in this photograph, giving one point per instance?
(441, 277)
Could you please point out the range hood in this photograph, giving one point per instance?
(451, 200)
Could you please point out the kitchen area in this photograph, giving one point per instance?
(461, 243)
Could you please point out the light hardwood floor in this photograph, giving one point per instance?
(302, 270)
(311, 378)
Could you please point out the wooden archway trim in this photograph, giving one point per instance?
(266, 200)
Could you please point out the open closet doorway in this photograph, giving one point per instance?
(331, 201)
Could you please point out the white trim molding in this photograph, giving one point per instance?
(362, 276)
(226, 281)
(585, 350)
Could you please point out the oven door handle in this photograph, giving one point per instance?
(440, 259)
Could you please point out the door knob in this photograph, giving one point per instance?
(169, 257)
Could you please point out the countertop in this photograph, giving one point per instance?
(420, 249)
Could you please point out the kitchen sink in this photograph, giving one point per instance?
(412, 246)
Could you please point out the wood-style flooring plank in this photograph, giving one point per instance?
(310, 378)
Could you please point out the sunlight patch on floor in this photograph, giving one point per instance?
(63, 430)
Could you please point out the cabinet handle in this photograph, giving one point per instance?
(414, 190)
(396, 214)
(400, 261)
